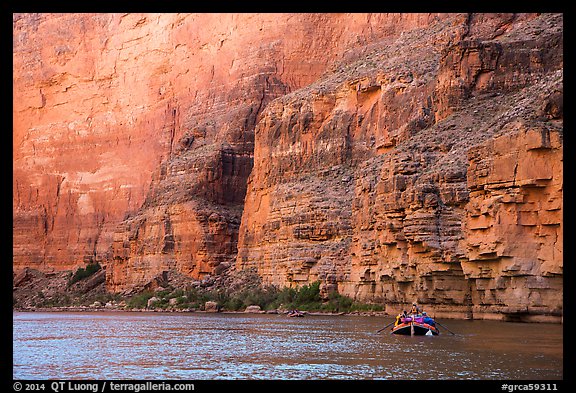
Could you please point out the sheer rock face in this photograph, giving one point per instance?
(392, 157)
(133, 133)
(513, 222)
(430, 175)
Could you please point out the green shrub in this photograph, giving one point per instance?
(285, 297)
(177, 293)
(262, 297)
(82, 273)
(140, 300)
(163, 293)
(305, 298)
(366, 307)
(338, 303)
(233, 304)
(308, 294)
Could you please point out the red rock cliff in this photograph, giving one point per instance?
(432, 174)
(392, 157)
(101, 102)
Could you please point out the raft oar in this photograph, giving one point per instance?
(444, 327)
(385, 326)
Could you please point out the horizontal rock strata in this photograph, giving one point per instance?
(395, 158)
(377, 179)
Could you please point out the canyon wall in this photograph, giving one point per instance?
(432, 174)
(133, 133)
(393, 157)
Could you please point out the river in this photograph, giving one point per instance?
(202, 346)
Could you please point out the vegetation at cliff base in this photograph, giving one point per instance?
(305, 298)
(140, 300)
(82, 273)
(86, 287)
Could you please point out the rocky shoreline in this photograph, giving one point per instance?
(35, 291)
(88, 309)
(96, 309)
(494, 316)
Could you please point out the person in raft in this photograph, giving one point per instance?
(415, 309)
(400, 317)
(427, 319)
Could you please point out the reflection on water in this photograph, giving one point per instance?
(120, 345)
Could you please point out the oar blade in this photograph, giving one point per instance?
(385, 326)
(445, 328)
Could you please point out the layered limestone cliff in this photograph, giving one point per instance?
(392, 157)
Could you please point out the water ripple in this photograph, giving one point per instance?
(237, 346)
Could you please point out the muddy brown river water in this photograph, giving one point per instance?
(198, 346)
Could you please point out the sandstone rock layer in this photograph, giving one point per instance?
(392, 157)
(103, 101)
(430, 175)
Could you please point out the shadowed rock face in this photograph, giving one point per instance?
(392, 157)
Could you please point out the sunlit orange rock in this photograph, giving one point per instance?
(386, 179)
(103, 101)
(392, 157)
